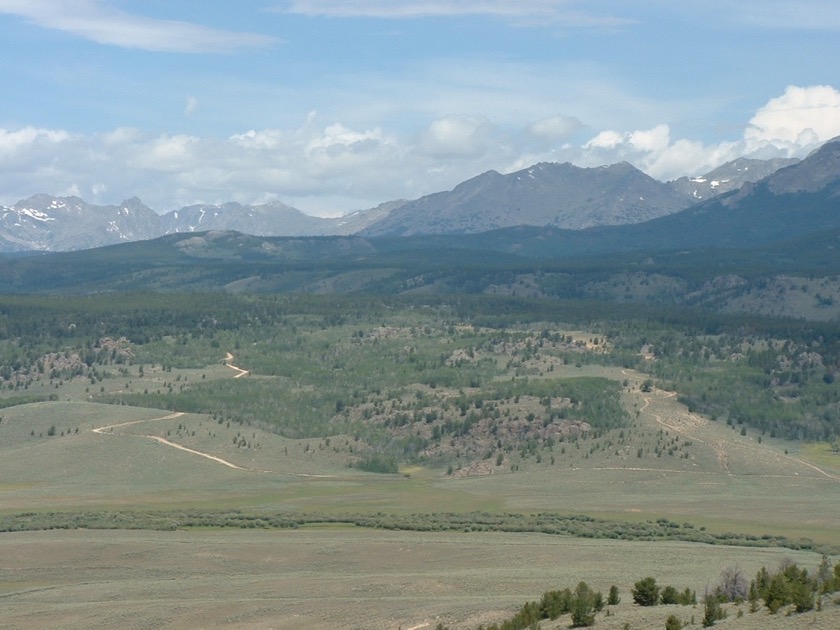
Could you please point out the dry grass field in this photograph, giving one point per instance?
(118, 457)
(326, 578)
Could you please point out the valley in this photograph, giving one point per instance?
(525, 409)
(476, 315)
(277, 428)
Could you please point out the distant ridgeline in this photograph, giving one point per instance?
(560, 196)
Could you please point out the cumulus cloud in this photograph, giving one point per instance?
(96, 21)
(29, 137)
(167, 154)
(327, 168)
(654, 140)
(607, 140)
(802, 116)
(653, 151)
(645, 140)
(170, 170)
(650, 150)
(457, 137)
(120, 136)
(790, 125)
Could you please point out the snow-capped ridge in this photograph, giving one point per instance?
(546, 194)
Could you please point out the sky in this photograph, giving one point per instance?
(332, 106)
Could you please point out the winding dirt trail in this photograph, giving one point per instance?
(111, 427)
(108, 430)
(241, 372)
(719, 446)
(224, 462)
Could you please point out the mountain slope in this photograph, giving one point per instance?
(264, 220)
(564, 196)
(547, 195)
(43, 222)
(560, 195)
(772, 247)
(728, 177)
(797, 200)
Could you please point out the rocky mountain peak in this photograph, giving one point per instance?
(545, 195)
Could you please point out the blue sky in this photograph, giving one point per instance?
(333, 105)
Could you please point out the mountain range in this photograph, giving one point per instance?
(768, 247)
(547, 194)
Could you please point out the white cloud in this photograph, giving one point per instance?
(778, 15)
(653, 140)
(688, 157)
(329, 168)
(767, 14)
(457, 137)
(258, 140)
(28, 137)
(652, 151)
(802, 116)
(606, 140)
(337, 136)
(166, 153)
(643, 140)
(554, 128)
(191, 105)
(790, 125)
(97, 21)
(785, 15)
(523, 12)
(121, 136)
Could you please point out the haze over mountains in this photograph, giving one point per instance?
(547, 194)
(747, 244)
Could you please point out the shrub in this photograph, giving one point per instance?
(669, 595)
(777, 594)
(687, 597)
(583, 606)
(802, 596)
(733, 586)
(712, 610)
(378, 464)
(556, 603)
(646, 592)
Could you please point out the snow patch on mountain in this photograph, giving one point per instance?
(32, 213)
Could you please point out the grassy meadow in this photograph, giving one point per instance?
(256, 447)
(324, 578)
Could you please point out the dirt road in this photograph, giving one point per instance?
(109, 430)
(241, 372)
(688, 424)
